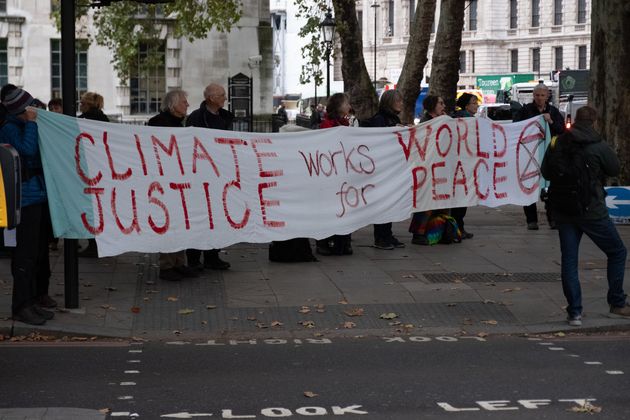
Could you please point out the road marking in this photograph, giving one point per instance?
(504, 405)
(592, 363)
(127, 383)
(556, 348)
(135, 351)
(534, 339)
(120, 414)
(133, 361)
(132, 371)
(614, 372)
(574, 355)
(546, 344)
(126, 397)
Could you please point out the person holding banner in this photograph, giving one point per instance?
(30, 264)
(337, 111)
(91, 107)
(389, 106)
(174, 106)
(553, 117)
(433, 107)
(210, 114)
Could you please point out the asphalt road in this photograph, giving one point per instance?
(363, 378)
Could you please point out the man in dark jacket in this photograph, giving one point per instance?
(174, 106)
(552, 115)
(210, 115)
(594, 221)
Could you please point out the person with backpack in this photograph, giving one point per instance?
(552, 115)
(577, 165)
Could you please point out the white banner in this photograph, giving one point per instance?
(155, 189)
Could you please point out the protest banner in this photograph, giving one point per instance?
(161, 189)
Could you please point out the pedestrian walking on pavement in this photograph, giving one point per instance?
(30, 265)
(173, 112)
(389, 107)
(210, 114)
(593, 161)
(91, 106)
(551, 114)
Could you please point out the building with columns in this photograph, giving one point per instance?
(30, 57)
(500, 37)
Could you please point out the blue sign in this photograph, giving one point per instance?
(618, 203)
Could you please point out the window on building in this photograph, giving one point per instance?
(81, 68)
(147, 83)
(581, 11)
(390, 17)
(536, 59)
(360, 20)
(535, 13)
(462, 61)
(513, 14)
(472, 15)
(412, 13)
(557, 12)
(472, 61)
(582, 57)
(558, 58)
(3, 6)
(514, 61)
(4, 62)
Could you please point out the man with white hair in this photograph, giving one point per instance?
(173, 112)
(210, 114)
(552, 115)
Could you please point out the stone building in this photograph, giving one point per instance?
(500, 37)
(30, 56)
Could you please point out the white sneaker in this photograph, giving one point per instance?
(575, 320)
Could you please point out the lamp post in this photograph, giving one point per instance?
(375, 6)
(328, 32)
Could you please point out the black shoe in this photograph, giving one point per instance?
(532, 226)
(29, 315)
(187, 271)
(383, 244)
(396, 242)
(216, 264)
(419, 239)
(47, 315)
(466, 235)
(91, 251)
(323, 250)
(46, 301)
(170, 274)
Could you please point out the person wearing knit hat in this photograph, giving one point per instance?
(17, 100)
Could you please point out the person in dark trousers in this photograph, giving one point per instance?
(433, 107)
(282, 114)
(389, 107)
(210, 114)
(91, 107)
(550, 113)
(173, 112)
(594, 222)
(30, 265)
(467, 104)
(337, 111)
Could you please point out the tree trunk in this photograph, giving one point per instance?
(610, 76)
(416, 58)
(356, 79)
(448, 41)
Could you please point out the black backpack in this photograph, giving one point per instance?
(573, 183)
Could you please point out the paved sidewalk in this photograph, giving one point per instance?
(504, 280)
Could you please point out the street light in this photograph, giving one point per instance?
(328, 32)
(375, 5)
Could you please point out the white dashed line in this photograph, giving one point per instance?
(574, 355)
(614, 372)
(592, 363)
(132, 371)
(120, 414)
(126, 397)
(127, 383)
(133, 361)
(534, 339)
(546, 344)
(556, 348)
(135, 351)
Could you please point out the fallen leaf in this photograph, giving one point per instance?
(104, 410)
(211, 307)
(261, 325)
(106, 306)
(135, 309)
(304, 310)
(343, 302)
(489, 322)
(354, 312)
(467, 321)
(560, 334)
(172, 299)
(515, 289)
(276, 324)
(482, 334)
(586, 408)
(394, 323)
(310, 394)
(349, 324)
(320, 311)
(185, 311)
(251, 318)
(389, 315)
(319, 306)
(307, 324)
(488, 301)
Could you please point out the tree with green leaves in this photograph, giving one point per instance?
(124, 26)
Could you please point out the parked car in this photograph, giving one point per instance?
(501, 113)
